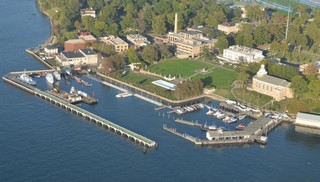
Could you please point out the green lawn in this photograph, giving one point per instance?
(252, 97)
(185, 68)
(219, 77)
(143, 82)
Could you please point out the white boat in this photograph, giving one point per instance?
(226, 119)
(231, 120)
(210, 112)
(241, 117)
(49, 78)
(124, 94)
(208, 136)
(27, 79)
(220, 115)
(57, 75)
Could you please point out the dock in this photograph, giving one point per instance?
(190, 123)
(229, 107)
(132, 136)
(255, 132)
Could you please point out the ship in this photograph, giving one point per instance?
(49, 78)
(27, 79)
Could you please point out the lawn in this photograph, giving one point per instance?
(185, 68)
(219, 78)
(143, 82)
(251, 97)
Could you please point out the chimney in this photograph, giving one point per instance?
(176, 23)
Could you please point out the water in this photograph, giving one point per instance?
(41, 142)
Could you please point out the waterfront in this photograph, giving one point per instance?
(41, 142)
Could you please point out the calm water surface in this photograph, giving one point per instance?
(41, 142)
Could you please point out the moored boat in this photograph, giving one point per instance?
(57, 75)
(27, 79)
(206, 127)
(124, 94)
(49, 78)
(240, 127)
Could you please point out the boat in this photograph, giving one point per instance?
(208, 136)
(86, 83)
(241, 117)
(78, 79)
(231, 120)
(124, 94)
(226, 119)
(57, 75)
(240, 127)
(210, 112)
(206, 127)
(220, 115)
(49, 78)
(27, 79)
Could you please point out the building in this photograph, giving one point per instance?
(308, 120)
(88, 12)
(228, 28)
(117, 43)
(81, 57)
(272, 86)
(137, 40)
(237, 54)
(50, 49)
(87, 37)
(74, 45)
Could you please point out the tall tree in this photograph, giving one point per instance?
(299, 86)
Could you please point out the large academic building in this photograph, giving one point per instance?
(272, 86)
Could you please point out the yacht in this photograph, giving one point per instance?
(49, 78)
(27, 79)
(57, 75)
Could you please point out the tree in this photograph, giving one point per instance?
(150, 54)
(243, 78)
(311, 71)
(222, 43)
(205, 54)
(159, 25)
(314, 89)
(132, 56)
(299, 86)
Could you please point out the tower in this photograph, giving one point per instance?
(262, 71)
(176, 23)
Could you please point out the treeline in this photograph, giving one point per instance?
(188, 88)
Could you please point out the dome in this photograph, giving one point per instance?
(262, 71)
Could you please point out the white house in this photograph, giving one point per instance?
(237, 54)
(81, 57)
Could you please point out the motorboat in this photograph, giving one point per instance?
(57, 75)
(49, 78)
(241, 117)
(206, 127)
(240, 127)
(124, 94)
(27, 79)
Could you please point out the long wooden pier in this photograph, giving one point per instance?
(83, 113)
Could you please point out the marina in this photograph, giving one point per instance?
(57, 98)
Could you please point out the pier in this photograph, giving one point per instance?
(81, 112)
(255, 132)
(229, 107)
(190, 123)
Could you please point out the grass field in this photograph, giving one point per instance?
(219, 77)
(251, 97)
(185, 68)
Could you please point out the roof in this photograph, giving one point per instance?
(75, 41)
(51, 47)
(308, 116)
(88, 51)
(73, 54)
(191, 32)
(273, 80)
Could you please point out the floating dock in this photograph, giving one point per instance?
(11, 79)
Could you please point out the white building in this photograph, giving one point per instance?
(237, 54)
(137, 40)
(81, 57)
(88, 12)
(49, 49)
(308, 120)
